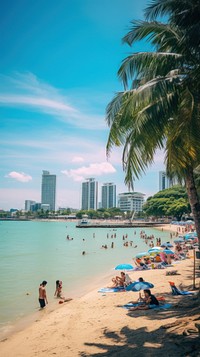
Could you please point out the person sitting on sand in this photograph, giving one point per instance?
(147, 302)
(58, 292)
(119, 280)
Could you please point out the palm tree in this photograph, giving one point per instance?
(159, 107)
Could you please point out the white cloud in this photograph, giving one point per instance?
(77, 159)
(19, 176)
(97, 169)
(27, 91)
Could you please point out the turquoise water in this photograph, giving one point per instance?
(34, 251)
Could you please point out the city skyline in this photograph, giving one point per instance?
(58, 73)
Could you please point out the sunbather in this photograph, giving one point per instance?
(147, 302)
(118, 280)
(140, 263)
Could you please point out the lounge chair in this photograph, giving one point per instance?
(176, 291)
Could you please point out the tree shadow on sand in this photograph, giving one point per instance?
(180, 338)
(140, 342)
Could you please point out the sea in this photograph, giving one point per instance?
(33, 251)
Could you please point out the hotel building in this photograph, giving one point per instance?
(48, 192)
(131, 201)
(89, 194)
(108, 195)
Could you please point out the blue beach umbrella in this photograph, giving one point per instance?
(124, 267)
(168, 251)
(143, 254)
(139, 285)
(166, 245)
(154, 250)
(179, 240)
(190, 235)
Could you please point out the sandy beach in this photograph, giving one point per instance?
(97, 325)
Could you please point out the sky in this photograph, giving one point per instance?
(58, 72)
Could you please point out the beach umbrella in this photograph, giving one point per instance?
(168, 251)
(179, 240)
(189, 221)
(166, 245)
(154, 250)
(190, 235)
(139, 285)
(143, 254)
(124, 267)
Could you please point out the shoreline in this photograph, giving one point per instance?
(84, 324)
(83, 313)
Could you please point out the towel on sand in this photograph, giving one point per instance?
(159, 307)
(112, 290)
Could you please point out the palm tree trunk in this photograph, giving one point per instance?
(194, 201)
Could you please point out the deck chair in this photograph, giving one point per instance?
(176, 291)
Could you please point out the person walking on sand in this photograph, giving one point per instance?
(42, 294)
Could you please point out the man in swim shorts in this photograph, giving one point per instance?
(42, 294)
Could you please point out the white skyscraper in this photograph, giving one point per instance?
(89, 194)
(108, 195)
(48, 194)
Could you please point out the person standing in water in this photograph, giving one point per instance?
(42, 294)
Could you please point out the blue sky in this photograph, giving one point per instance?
(58, 71)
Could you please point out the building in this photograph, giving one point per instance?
(131, 201)
(28, 204)
(48, 194)
(35, 207)
(164, 181)
(108, 195)
(89, 194)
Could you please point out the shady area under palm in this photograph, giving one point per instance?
(159, 107)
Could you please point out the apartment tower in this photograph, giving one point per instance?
(48, 194)
(108, 195)
(89, 194)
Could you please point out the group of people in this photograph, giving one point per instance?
(43, 301)
(147, 301)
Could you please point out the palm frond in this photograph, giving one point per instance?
(148, 65)
(159, 34)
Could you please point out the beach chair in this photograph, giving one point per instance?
(176, 291)
(128, 280)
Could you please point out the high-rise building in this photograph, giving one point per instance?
(131, 201)
(89, 194)
(108, 195)
(28, 204)
(164, 181)
(48, 195)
